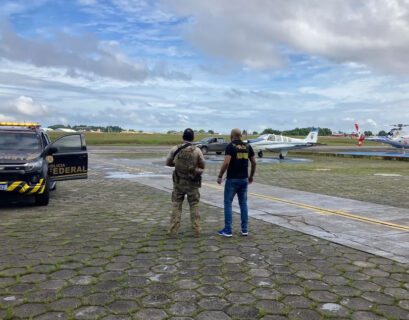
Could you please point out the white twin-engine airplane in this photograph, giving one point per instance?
(282, 144)
(396, 137)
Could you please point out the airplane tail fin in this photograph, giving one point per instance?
(361, 137)
(312, 136)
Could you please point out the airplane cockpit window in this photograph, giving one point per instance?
(272, 138)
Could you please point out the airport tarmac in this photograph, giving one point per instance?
(100, 250)
(378, 229)
(390, 154)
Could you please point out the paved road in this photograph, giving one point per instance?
(378, 229)
(100, 250)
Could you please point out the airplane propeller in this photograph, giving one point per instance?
(400, 125)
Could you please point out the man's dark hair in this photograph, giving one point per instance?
(188, 135)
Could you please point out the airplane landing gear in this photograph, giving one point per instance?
(281, 156)
(260, 154)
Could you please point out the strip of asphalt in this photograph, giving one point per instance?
(378, 229)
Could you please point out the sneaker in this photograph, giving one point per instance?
(244, 233)
(225, 233)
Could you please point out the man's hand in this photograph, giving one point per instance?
(219, 180)
(250, 180)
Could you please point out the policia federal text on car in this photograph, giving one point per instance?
(30, 164)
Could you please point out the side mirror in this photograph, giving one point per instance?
(51, 150)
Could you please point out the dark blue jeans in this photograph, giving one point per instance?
(233, 187)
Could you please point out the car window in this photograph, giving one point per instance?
(44, 140)
(71, 143)
(20, 141)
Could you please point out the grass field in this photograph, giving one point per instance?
(126, 139)
(378, 181)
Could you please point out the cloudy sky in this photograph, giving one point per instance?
(209, 64)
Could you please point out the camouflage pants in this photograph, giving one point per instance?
(193, 197)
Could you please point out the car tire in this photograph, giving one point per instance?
(205, 150)
(218, 152)
(44, 198)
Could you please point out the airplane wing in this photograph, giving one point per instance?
(288, 147)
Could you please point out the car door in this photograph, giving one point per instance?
(212, 144)
(220, 146)
(223, 144)
(70, 161)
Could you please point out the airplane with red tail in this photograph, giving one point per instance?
(396, 137)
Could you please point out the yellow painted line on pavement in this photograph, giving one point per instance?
(120, 165)
(316, 210)
(322, 211)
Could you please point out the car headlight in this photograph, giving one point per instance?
(34, 165)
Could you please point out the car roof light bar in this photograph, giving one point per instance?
(19, 124)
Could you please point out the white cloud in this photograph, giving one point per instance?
(371, 122)
(258, 33)
(11, 7)
(4, 118)
(83, 56)
(87, 2)
(26, 106)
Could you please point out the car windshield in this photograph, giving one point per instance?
(17, 141)
(206, 139)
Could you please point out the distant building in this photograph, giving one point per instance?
(64, 130)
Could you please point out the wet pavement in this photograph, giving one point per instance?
(100, 251)
(361, 225)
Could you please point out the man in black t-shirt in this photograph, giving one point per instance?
(236, 163)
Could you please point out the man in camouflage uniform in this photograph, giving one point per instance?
(189, 165)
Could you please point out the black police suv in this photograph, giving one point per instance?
(30, 164)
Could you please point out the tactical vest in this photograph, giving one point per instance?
(185, 166)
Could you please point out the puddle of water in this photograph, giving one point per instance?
(265, 160)
(331, 307)
(10, 298)
(156, 277)
(388, 174)
(126, 175)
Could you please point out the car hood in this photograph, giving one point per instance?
(17, 156)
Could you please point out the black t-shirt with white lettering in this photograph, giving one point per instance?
(240, 153)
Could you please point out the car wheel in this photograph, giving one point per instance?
(44, 198)
(205, 150)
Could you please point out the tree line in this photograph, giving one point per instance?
(80, 127)
(298, 131)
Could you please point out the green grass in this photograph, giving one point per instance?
(141, 139)
(126, 139)
(342, 177)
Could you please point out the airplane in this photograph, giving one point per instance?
(395, 137)
(282, 144)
